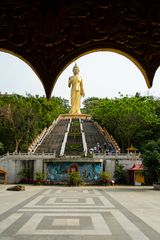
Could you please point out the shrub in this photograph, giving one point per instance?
(75, 179)
(105, 179)
(25, 174)
(74, 147)
(105, 176)
(39, 177)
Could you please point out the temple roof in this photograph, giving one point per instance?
(136, 167)
(132, 149)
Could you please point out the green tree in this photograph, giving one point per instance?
(151, 161)
(131, 120)
(90, 105)
(22, 118)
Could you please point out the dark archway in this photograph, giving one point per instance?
(50, 34)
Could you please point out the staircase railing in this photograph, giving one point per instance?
(39, 139)
(63, 146)
(112, 140)
(85, 149)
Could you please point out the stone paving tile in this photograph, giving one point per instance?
(75, 213)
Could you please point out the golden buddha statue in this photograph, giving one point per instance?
(77, 91)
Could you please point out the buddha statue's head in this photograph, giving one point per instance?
(76, 69)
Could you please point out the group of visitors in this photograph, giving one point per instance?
(99, 149)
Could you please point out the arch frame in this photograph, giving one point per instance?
(48, 35)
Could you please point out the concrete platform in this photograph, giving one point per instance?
(83, 213)
(81, 116)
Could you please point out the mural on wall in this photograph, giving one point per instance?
(60, 171)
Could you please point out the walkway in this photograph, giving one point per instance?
(57, 213)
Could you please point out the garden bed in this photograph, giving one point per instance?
(156, 186)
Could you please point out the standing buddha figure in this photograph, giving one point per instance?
(77, 90)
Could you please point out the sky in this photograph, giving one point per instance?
(104, 74)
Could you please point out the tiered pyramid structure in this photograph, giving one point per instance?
(75, 143)
(75, 137)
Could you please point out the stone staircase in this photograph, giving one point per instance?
(95, 137)
(76, 137)
(53, 141)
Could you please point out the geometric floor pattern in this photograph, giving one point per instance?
(73, 213)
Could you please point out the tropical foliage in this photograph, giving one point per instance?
(105, 179)
(151, 161)
(75, 179)
(131, 120)
(22, 118)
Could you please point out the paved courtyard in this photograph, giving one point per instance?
(82, 213)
